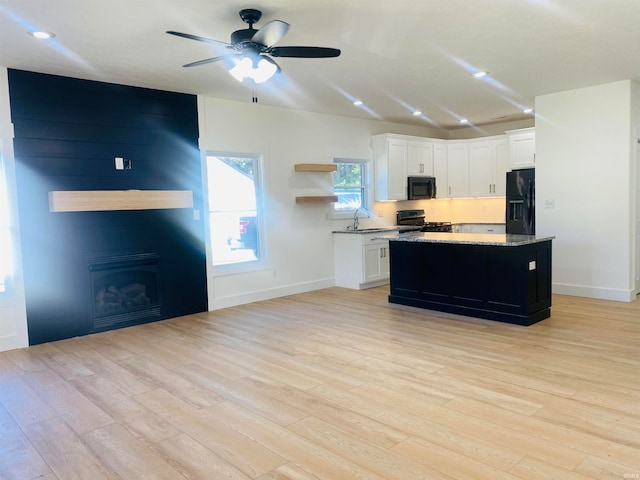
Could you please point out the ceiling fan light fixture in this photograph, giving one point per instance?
(265, 70)
(259, 73)
(242, 69)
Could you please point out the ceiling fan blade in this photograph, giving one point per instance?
(211, 60)
(271, 33)
(304, 52)
(199, 39)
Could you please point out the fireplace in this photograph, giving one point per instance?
(124, 289)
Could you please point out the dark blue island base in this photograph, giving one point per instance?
(498, 277)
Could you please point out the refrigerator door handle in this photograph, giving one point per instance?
(530, 207)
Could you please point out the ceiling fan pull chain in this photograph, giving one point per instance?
(255, 95)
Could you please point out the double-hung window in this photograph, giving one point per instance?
(235, 213)
(350, 184)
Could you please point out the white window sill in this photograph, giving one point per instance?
(238, 268)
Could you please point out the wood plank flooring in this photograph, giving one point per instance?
(333, 384)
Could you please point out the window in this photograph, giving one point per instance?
(234, 194)
(349, 184)
(5, 233)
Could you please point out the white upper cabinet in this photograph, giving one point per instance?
(488, 163)
(419, 158)
(390, 167)
(457, 169)
(481, 169)
(462, 168)
(501, 167)
(440, 170)
(522, 147)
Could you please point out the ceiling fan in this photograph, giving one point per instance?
(251, 49)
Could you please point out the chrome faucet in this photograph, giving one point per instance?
(356, 222)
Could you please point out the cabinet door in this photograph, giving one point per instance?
(481, 166)
(390, 168)
(397, 173)
(419, 158)
(440, 170)
(458, 169)
(523, 150)
(502, 166)
(374, 263)
(385, 269)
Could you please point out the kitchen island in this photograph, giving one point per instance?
(494, 276)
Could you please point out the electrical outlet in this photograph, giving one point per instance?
(550, 203)
(119, 163)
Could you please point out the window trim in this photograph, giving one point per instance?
(259, 182)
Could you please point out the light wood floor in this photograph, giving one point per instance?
(334, 384)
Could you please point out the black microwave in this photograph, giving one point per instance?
(421, 187)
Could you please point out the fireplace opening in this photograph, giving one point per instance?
(124, 289)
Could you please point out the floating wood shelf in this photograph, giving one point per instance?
(315, 167)
(317, 199)
(103, 200)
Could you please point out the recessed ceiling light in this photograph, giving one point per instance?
(464, 120)
(357, 103)
(480, 74)
(42, 35)
(527, 110)
(417, 112)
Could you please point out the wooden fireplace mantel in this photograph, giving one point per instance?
(103, 200)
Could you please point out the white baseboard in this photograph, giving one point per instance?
(12, 342)
(235, 300)
(594, 292)
(13, 326)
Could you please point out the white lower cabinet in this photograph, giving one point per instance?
(360, 260)
(479, 228)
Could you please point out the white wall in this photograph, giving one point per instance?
(13, 316)
(583, 165)
(634, 178)
(299, 238)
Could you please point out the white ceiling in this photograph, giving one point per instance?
(396, 55)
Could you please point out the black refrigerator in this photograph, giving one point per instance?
(521, 202)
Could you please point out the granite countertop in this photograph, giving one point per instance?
(381, 230)
(495, 239)
(479, 223)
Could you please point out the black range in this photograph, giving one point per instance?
(415, 218)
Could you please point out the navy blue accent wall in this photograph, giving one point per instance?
(67, 134)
